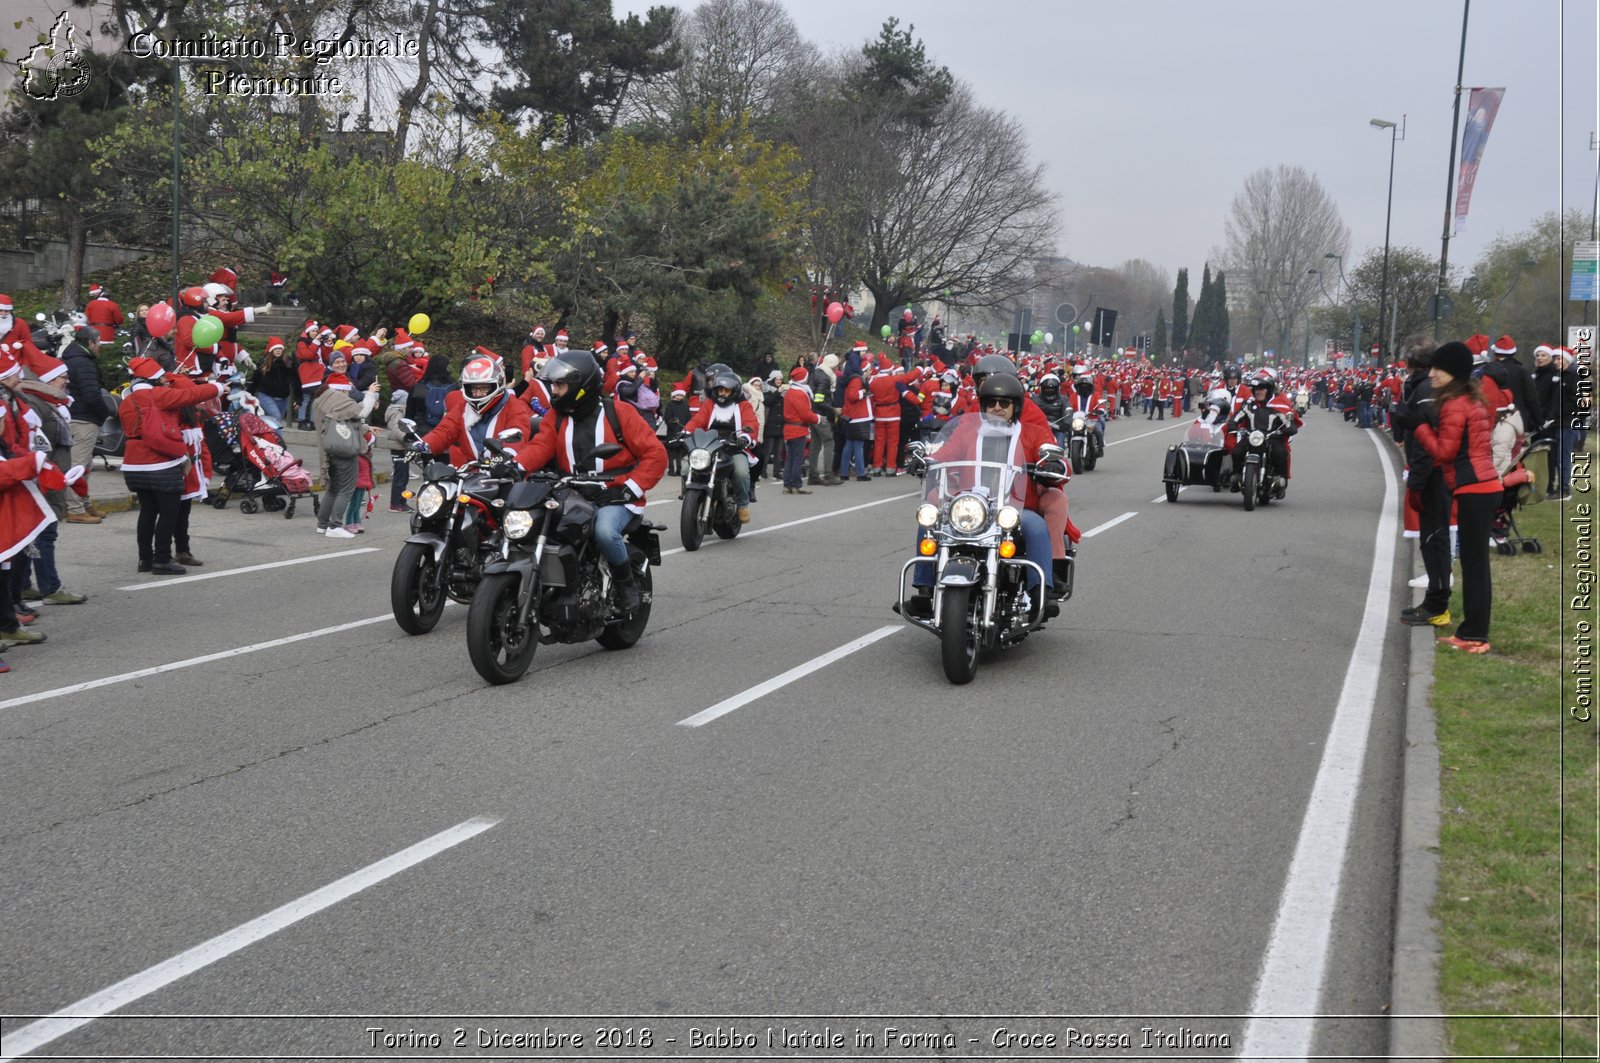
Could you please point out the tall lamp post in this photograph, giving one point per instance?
(1355, 308)
(1396, 133)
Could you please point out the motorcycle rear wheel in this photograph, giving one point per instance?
(1252, 482)
(1172, 491)
(500, 652)
(623, 634)
(958, 637)
(689, 529)
(416, 590)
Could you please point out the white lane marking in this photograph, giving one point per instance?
(1146, 435)
(1290, 983)
(248, 568)
(61, 692)
(38, 1034)
(722, 708)
(802, 520)
(1112, 523)
(1163, 497)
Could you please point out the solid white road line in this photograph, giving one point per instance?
(792, 523)
(722, 708)
(248, 568)
(38, 1034)
(1112, 523)
(1163, 497)
(1146, 435)
(61, 692)
(1290, 983)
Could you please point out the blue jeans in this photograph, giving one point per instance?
(273, 406)
(608, 524)
(853, 454)
(400, 479)
(307, 397)
(739, 470)
(794, 462)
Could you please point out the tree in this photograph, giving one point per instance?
(1281, 225)
(1180, 311)
(573, 63)
(898, 74)
(1529, 302)
(1204, 310)
(1160, 341)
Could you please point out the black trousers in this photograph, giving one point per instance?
(158, 517)
(1433, 543)
(1474, 516)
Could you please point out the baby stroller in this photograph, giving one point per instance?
(1522, 488)
(250, 460)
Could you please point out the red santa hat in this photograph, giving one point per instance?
(538, 332)
(799, 375)
(645, 363)
(347, 332)
(1503, 346)
(337, 381)
(599, 348)
(95, 290)
(403, 340)
(274, 343)
(860, 347)
(311, 326)
(678, 393)
(1478, 343)
(146, 369)
(562, 339)
(5, 304)
(623, 345)
(487, 353)
(226, 276)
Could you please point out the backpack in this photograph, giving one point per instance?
(434, 402)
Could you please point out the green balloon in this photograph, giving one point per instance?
(1076, 329)
(886, 331)
(207, 330)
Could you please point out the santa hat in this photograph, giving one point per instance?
(487, 353)
(1503, 346)
(860, 347)
(403, 340)
(623, 345)
(627, 369)
(146, 369)
(311, 326)
(1563, 353)
(274, 343)
(645, 363)
(678, 393)
(338, 381)
(1477, 342)
(224, 275)
(599, 347)
(538, 332)
(5, 304)
(95, 290)
(799, 375)
(1543, 348)
(562, 339)
(347, 332)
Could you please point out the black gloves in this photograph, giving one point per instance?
(613, 496)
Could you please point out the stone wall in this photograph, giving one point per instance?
(46, 264)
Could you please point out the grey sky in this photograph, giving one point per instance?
(1150, 114)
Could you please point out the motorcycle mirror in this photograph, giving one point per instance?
(408, 424)
(1050, 452)
(39, 318)
(510, 435)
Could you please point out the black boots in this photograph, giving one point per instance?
(626, 587)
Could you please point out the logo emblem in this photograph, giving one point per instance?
(57, 68)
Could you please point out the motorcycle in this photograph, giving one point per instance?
(458, 511)
(110, 441)
(1076, 429)
(547, 581)
(1261, 480)
(967, 525)
(709, 503)
(1198, 460)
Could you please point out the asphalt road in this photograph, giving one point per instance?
(1090, 839)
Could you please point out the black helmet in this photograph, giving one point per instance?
(1050, 385)
(581, 373)
(1262, 385)
(727, 380)
(711, 372)
(999, 385)
(993, 363)
(1231, 374)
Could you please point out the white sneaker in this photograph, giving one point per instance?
(1421, 582)
(339, 533)
(320, 530)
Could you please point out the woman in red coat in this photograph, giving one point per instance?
(158, 456)
(1460, 446)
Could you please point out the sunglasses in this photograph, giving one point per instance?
(990, 404)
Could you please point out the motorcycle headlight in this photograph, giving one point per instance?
(927, 515)
(1078, 424)
(968, 514)
(699, 460)
(1008, 517)
(1257, 438)
(519, 522)
(430, 501)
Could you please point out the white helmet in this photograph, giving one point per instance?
(482, 381)
(215, 291)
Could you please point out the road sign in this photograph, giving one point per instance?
(1585, 271)
(1446, 307)
(1066, 313)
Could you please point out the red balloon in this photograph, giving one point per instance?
(159, 319)
(835, 312)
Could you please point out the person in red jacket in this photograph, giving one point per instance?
(729, 413)
(153, 463)
(580, 420)
(884, 387)
(798, 417)
(104, 314)
(311, 354)
(485, 409)
(1460, 446)
(18, 338)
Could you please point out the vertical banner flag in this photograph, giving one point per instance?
(1482, 106)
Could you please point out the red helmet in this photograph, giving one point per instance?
(482, 381)
(196, 297)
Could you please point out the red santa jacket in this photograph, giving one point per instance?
(24, 513)
(159, 442)
(1025, 448)
(741, 415)
(857, 401)
(885, 391)
(105, 316)
(44, 366)
(639, 467)
(798, 414)
(453, 430)
(311, 362)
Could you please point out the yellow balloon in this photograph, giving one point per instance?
(418, 324)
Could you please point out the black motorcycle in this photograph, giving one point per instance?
(458, 511)
(1263, 432)
(709, 503)
(1076, 430)
(547, 581)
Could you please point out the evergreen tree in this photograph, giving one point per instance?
(1199, 327)
(1180, 311)
(1217, 341)
(1159, 343)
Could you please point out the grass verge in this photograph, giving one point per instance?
(1520, 822)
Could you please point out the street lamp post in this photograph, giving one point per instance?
(1395, 134)
(1355, 349)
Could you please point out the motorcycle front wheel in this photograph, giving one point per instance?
(1172, 491)
(1089, 456)
(625, 633)
(1252, 481)
(500, 651)
(689, 529)
(416, 590)
(958, 637)
(1077, 456)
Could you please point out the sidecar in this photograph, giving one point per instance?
(1198, 460)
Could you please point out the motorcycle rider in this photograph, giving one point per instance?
(578, 422)
(730, 414)
(486, 409)
(1050, 400)
(1262, 388)
(1084, 399)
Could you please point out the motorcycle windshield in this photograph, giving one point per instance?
(973, 453)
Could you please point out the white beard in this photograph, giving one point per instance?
(470, 415)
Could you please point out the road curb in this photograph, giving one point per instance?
(1416, 1024)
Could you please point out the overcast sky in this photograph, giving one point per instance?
(1150, 114)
